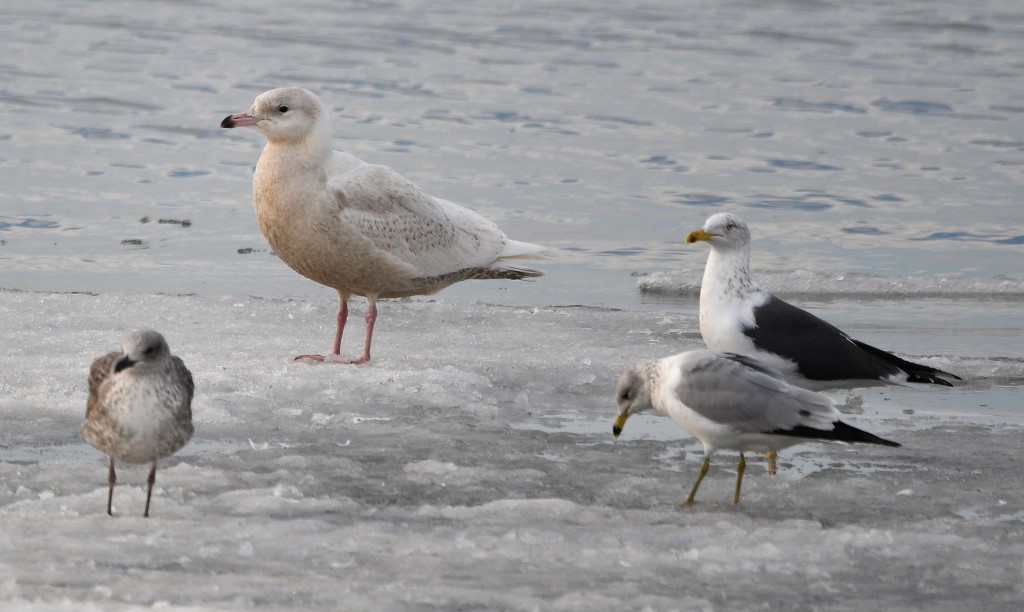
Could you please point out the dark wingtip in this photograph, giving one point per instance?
(849, 433)
(916, 372)
(917, 377)
(871, 438)
(515, 273)
(841, 432)
(228, 122)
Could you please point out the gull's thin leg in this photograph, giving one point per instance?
(340, 325)
(371, 320)
(739, 479)
(149, 488)
(772, 466)
(339, 330)
(111, 479)
(700, 476)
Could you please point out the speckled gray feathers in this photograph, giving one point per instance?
(140, 413)
(139, 408)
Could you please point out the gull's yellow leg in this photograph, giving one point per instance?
(700, 476)
(739, 479)
(771, 456)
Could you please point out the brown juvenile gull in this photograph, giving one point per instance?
(737, 315)
(731, 402)
(140, 405)
(361, 228)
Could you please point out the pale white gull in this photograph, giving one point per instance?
(731, 402)
(737, 315)
(359, 228)
(140, 405)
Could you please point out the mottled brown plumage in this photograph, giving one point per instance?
(140, 405)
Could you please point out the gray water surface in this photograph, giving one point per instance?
(871, 137)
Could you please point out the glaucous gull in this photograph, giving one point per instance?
(361, 228)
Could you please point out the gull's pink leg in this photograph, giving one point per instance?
(371, 319)
(339, 330)
(340, 326)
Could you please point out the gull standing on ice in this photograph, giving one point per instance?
(140, 405)
(737, 315)
(359, 228)
(731, 402)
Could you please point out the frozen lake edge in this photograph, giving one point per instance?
(470, 466)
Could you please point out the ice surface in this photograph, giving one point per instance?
(875, 147)
(471, 466)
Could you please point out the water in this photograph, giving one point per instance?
(876, 138)
(876, 149)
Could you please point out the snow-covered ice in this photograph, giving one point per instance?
(471, 466)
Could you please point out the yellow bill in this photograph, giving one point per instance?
(698, 235)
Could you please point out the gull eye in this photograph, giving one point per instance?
(282, 108)
(730, 226)
(149, 350)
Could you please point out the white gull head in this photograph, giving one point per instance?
(143, 347)
(288, 115)
(724, 232)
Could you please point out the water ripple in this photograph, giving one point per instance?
(960, 236)
(98, 133)
(27, 223)
(800, 164)
(817, 107)
(913, 107)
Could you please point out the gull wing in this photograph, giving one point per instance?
(740, 392)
